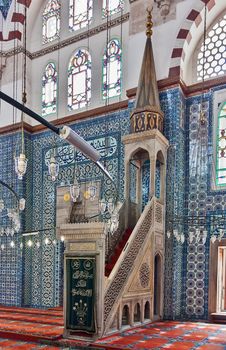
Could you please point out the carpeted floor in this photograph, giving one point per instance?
(169, 335)
(7, 344)
(22, 328)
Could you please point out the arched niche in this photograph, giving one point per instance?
(157, 284)
(147, 313)
(137, 313)
(125, 316)
(139, 179)
(160, 176)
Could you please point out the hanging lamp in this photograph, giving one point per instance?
(21, 160)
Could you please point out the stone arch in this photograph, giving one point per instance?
(147, 311)
(160, 170)
(137, 149)
(139, 178)
(137, 313)
(126, 315)
(160, 156)
(158, 286)
(189, 34)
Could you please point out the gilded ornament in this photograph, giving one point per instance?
(67, 197)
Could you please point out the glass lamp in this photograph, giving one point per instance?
(53, 168)
(21, 165)
(110, 205)
(22, 203)
(102, 206)
(74, 191)
(92, 192)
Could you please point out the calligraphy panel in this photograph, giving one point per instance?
(106, 146)
(80, 293)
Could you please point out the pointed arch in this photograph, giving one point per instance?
(112, 69)
(79, 80)
(147, 313)
(80, 13)
(51, 21)
(49, 89)
(125, 315)
(157, 283)
(137, 313)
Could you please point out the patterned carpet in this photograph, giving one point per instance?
(169, 335)
(22, 328)
(25, 328)
(7, 344)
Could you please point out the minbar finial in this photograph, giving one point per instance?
(149, 23)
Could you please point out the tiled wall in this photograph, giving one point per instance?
(39, 269)
(45, 263)
(10, 257)
(173, 106)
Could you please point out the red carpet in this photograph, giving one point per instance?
(21, 310)
(29, 328)
(112, 261)
(19, 325)
(7, 344)
(168, 335)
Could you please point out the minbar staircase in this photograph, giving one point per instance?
(117, 251)
(130, 271)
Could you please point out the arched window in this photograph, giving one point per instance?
(214, 62)
(79, 80)
(221, 147)
(49, 89)
(110, 7)
(80, 13)
(51, 21)
(112, 70)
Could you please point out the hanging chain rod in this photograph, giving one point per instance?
(28, 111)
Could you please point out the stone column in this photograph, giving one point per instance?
(152, 176)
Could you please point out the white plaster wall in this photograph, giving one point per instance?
(164, 39)
(6, 110)
(96, 49)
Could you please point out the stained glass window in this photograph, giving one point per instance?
(80, 13)
(112, 69)
(51, 21)
(221, 147)
(79, 80)
(49, 89)
(110, 7)
(214, 62)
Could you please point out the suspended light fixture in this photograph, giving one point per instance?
(198, 225)
(53, 165)
(102, 206)
(53, 168)
(21, 160)
(92, 191)
(75, 190)
(10, 211)
(110, 214)
(21, 165)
